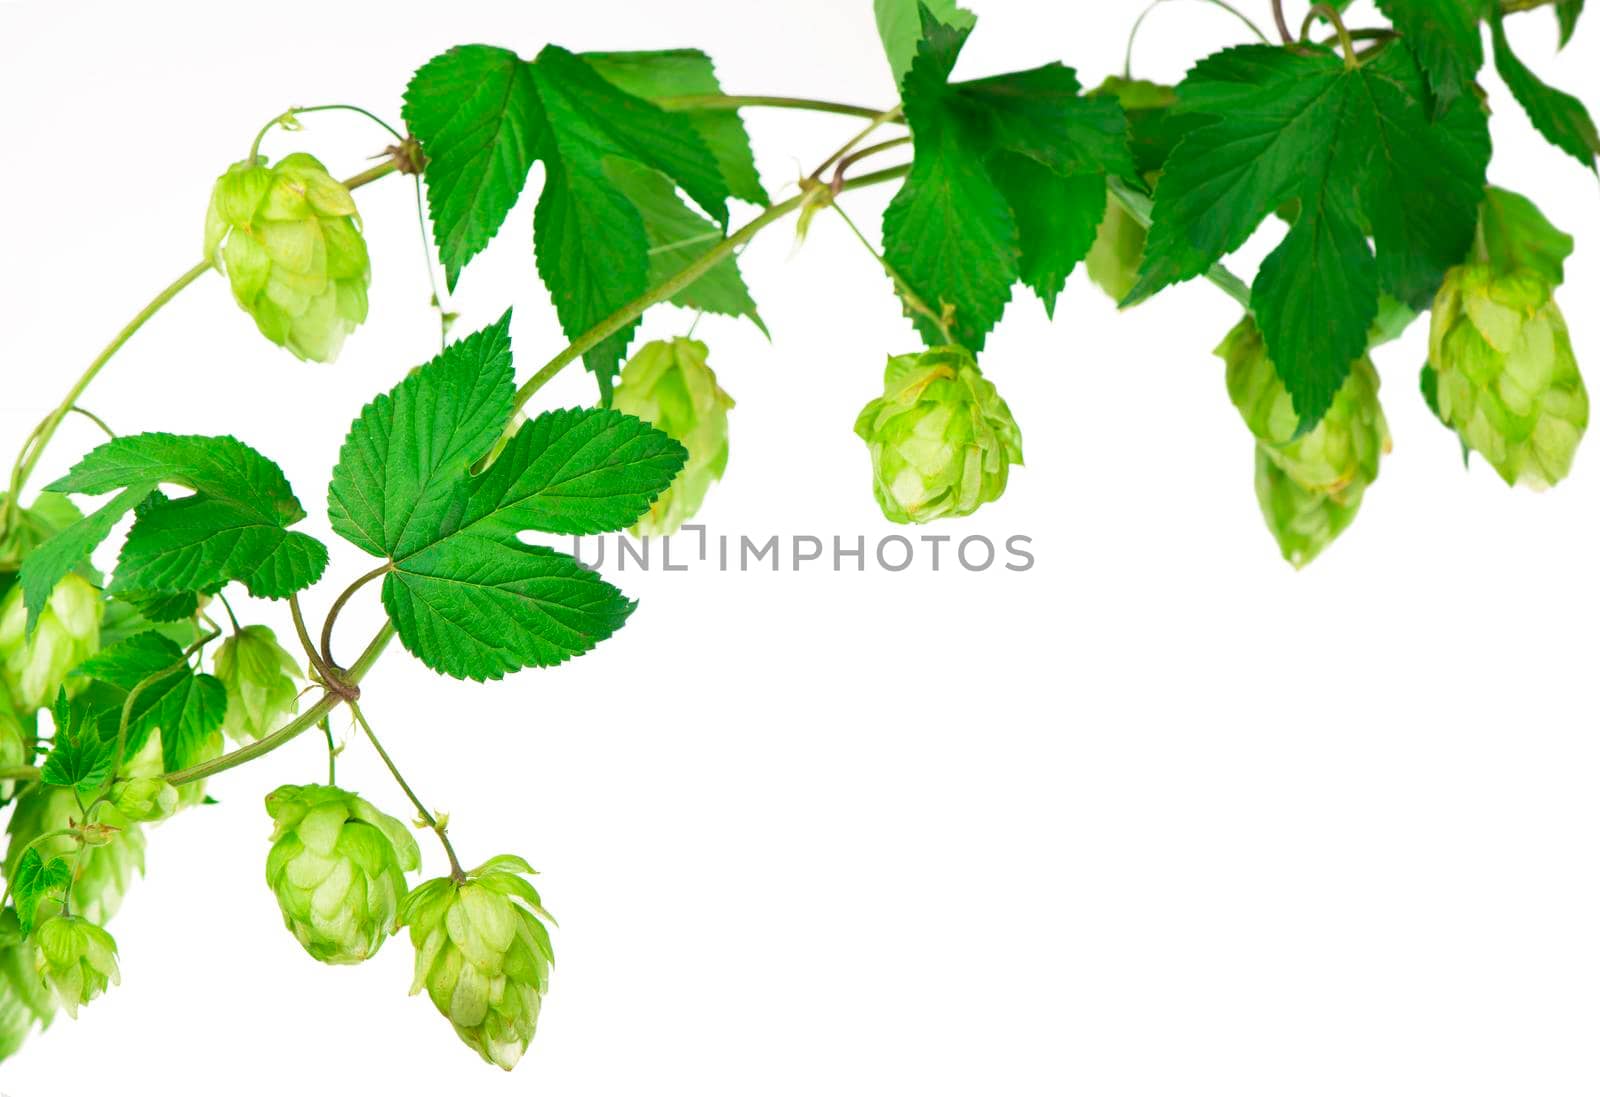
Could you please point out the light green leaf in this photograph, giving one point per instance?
(477, 114)
(900, 28)
(34, 880)
(1355, 151)
(670, 74)
(50, 562)
(1560, 118)
(1517, 236)
(465, 594)
(79, 758)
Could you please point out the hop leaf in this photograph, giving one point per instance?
(941, 438)
(289, 239)
(1507, 380)
(262, 681)
(102, 873)
(337, 867)
(670, 386)
(77, 959)
(483, 955)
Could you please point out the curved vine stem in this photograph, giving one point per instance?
(734, 102)
(338, 607)
(1283, 23)
(288, 118)
(913, 301)
(456, 872)
(1346, 42)
(1127, 65)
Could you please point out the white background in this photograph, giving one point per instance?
(1157, 817)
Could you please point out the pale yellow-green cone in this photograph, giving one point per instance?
(1508, 380)
(942, 440)
(31, 527)
(670, 386)
(1343, 450)
(76, 959)
(262, 680)
(289, 239)
(145, 799)
(483, 955)
(150, 762)
(1113, 261)
(1303, 522)
(14, 738)
(68, 632)
(337, 867)
(25, 1002)
(102, 874)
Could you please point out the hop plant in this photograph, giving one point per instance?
(1114, 259)
(25, 1002)
(262, 680)
(337, 866)
(14, 742)
(145, 799)
(941, 438)
(76, 959)
(36, 665)
(289, 239)
(1343, 449)
(29, 528)
(102, 873)
(1507, 377)
(670, 386)
(483, 955)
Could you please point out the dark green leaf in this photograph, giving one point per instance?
(1568, 12)
(1446, 36)
(1560, 118)
(477, 114)
(1057, 217)
(465, 594)
(670, 74)
(186, 707)
(1516, 236)
(1355, 151)
(162, 609)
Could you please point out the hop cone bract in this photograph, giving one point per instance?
(483, 955)
(262, 680)
(67, 633)
(1303, 522)
(1508, 380)
(941, 438)
(337, 866)
(669, 385)
(77, 959)
(289, 239)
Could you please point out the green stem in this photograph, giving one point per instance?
(1138, 206)
(913, 301)
(338, 606)
(95, 419)
(849, 146)
(294, 112)
(1283, 23)
(1127, 66)
(680, 281)
(783, 102)
(1346, 43)
(333, 752)
(309, 718)
(456, 872)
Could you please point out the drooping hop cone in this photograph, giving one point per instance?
(289, 239)
(68, 632)
(102, 873)
(337, 866)
(1343, 450)
(1508, 381)
(25, 1002)
(483, 955)
(76, 959)
(942, 440)
(1303, 522)
(262, 680)
(670, 386)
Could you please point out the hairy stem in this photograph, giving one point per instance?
(456, 872)
(338, 607)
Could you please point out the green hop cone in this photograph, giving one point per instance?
(1343, 450)
(102, 873)
(145, 799)
(1114, 260)
(483, 955)
(670, 386)
(262, 680)
(1507, 378)
(1303, 522)
(68, 632)
(337, 866)
(31, 527)
(1117, 254)
(941, 438)
(289, 239)
(76, 959)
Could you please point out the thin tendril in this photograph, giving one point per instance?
(1127, 67)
